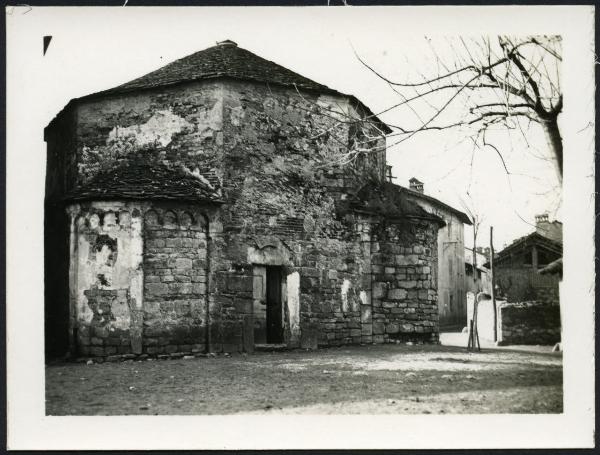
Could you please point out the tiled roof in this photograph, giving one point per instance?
(522, 242)
(223, 60)
(460, 215)
(389, 200)
(227, 60)
(145, 181)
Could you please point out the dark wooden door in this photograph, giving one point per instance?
(274, 308)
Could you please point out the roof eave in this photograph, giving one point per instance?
(91, 198)
(461, 215)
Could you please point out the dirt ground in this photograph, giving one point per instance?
(398, 379)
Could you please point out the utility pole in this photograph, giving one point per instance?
(475, 258)
(493, 283)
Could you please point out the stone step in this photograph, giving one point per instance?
(270, 347)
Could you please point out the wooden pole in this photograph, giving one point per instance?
(476, 288)
(493, 284)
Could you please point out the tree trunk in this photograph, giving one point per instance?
(555, 143)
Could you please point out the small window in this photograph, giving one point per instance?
(469, 269)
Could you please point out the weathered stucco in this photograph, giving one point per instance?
(106, 275)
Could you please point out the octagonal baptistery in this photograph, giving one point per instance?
(213, 205)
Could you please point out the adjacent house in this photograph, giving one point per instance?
(205, 207)
(517, 267)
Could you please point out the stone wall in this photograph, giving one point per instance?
(404, 297)
(529, 323)
(522, 283)
(180, 125)
(175, 279)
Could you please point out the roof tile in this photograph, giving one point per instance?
(136, 180)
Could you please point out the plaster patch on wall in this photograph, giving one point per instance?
(237, 115)
(363, 298)
(293, 302)
(344, 291)
(136, 268)
(159, 128)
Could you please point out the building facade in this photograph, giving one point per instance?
(205, 207)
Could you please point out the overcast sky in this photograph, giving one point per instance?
(99, 48)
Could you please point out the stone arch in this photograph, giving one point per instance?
(110, 219)
(151, 218)
(80, 221)
(186, 219)
(94, 221)
(106, 248)
(202, 221)
(170, 219)
(124, 218)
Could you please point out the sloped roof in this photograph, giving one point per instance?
(460, 215)
(522, 242)
(137, 180)
(227, 60)
(555, 267)
(390, 201)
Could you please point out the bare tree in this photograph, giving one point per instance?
(476, 218)
(486, 83)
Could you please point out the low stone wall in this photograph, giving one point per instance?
(528, 323)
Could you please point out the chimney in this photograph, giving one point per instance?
(542, 225)
(550, 230)
(541, 219)
(227, 42)
(416, 185)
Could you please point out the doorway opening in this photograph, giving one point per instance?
(274, 305)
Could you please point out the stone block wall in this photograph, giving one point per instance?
(404, 297)
(529, 323)
(180, 125)
(175, 280)
(333, 284)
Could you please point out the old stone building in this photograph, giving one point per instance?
(223, 202)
